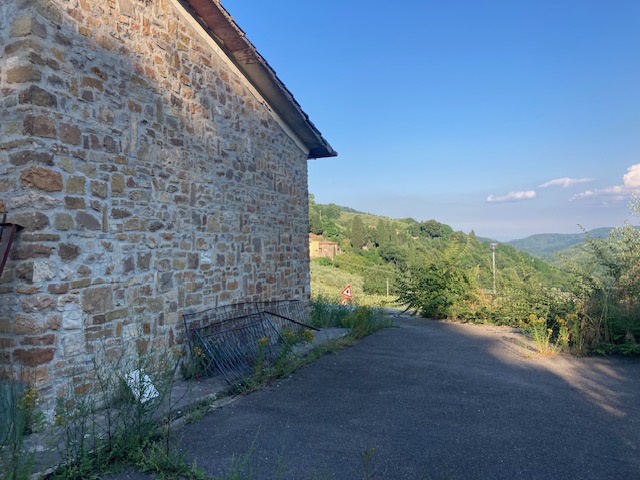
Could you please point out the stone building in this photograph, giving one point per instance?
(157, 165)
(321, 248)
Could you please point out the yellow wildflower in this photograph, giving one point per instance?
(289, 336)
(198, 353)
(307, 335)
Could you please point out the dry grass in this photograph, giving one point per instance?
(328, 282)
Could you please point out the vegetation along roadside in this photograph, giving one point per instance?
(128, 424)
(587, 302)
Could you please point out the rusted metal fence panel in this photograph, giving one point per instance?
(230, 340)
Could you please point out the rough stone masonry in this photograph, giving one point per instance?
(151, 179)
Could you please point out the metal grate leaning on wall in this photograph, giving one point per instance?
(227, 340)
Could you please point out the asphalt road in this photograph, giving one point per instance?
(433, 400)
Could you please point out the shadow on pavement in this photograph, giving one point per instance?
(433, 400)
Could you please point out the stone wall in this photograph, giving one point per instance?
(150, 177)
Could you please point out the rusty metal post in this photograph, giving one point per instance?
(7, 234)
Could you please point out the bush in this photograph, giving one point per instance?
(324, 261)
(608, 287)
(325, 314)
(361, 321)
(434, 289)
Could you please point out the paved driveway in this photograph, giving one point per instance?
(434, 400)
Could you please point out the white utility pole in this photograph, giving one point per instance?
(493, 255)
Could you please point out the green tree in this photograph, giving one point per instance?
(435, 229)
(434, 288)
(375, 282)
(385, 233)
(331, 212)
(439, 284)
(315, 224)
(315, 219)
(331, 230)
(395, 254)
(357, 232)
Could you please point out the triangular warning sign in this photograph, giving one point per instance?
(347, 292)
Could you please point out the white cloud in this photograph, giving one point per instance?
(630, 184)
(512, 197)
(631, 179)
(565, 182)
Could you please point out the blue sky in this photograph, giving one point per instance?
(461, 110)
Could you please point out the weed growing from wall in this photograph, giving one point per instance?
(115, 421)
(18, 415)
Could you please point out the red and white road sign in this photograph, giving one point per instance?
(347, 292)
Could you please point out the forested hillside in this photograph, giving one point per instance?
(378, 252)
(590, 302)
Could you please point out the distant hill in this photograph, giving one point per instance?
(547, 245)
(489, 240)
(351, 210)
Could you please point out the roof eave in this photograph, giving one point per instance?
(230, 37)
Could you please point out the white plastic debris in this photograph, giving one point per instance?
(141, 386)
